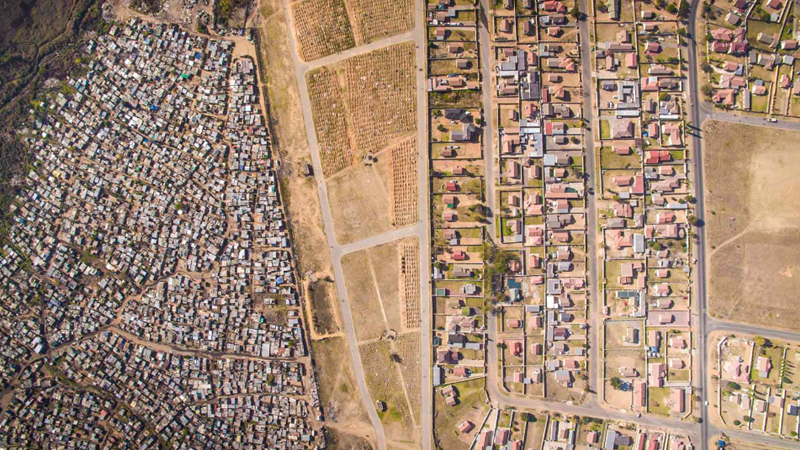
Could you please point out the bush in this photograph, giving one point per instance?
(733, 386)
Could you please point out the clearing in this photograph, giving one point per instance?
(752, 219)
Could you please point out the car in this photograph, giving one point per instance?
(705, 403)
(773, 120)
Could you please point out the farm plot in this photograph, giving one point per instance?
(409, 284)
(330, 121)
(375, 20)
(403, 183)
(322, 28)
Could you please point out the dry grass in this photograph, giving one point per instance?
(322, 28)
(380, 91)
(752, 222)
(407, 346)
(403, 183)
(409, 285)
(363, 296)
(383, 382)
(375, 20)
(338, 391)
(359, 204)
(330, 120)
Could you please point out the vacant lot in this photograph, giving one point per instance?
(362, 293)
(359, 204)
(379, 19)
(373, 283)
(407, 346)
(323, 302)
(384, 382)
(322, 28)
(338, 391)
(752, 221)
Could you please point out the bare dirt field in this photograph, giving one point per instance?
(338, 391)
(363, 296)
(373, 281)
(323, 302)
(360, 204)
(753, 222)
(322, 28)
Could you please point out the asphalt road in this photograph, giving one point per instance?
(424, 234)
(591, 408)
(595, 328)
(701, 112)
(488, 129)
(420, 229)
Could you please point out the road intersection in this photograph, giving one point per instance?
(699, 113)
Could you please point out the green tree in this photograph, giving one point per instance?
(616, 383)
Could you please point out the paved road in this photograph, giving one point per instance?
(591, 408)
(426, 384)
(700, 112)
(420, 230)
(488, 113)
(595, 321)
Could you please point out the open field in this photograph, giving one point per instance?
(752, 220)
(407, 346)
(403, 183)
(375, 20)
(373, 281)
(360, 204)
(383, 380)
(323, 302)
(322, 28)
(338, 392)
(363, 295)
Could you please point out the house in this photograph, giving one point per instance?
(764, 366)
(789, 44)
(652, 48)
(622, 129)
(722, 34)
(765, 39)
(656, 372)
(465, 426)
(677, 398)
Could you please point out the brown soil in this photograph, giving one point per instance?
(752, 219)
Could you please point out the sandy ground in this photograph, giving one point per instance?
(753, 221)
